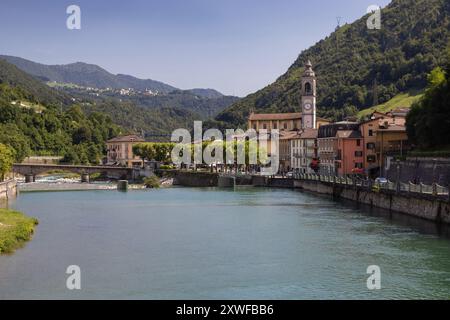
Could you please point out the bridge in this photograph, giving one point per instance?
(30, 171)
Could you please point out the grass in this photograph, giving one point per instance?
(15, 229)
(403, 100)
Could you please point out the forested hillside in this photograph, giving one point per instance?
(33, 121)
(27, 87)
(354, 62)
(428, 122)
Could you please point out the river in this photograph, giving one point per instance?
(248, 243)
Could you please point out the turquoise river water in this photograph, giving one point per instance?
(247, 243)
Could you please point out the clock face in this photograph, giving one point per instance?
(308, 106)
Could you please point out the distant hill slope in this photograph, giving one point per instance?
(410, 44)
(206, 93)
(87, 75)
(206, 103)
(16, 85)
(29, 88)
(402, 100)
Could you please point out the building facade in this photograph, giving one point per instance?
(120, 151)
(304, 151)
(384, 134)
(340, 149)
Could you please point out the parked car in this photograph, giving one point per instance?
(379, 182)
(289, 174)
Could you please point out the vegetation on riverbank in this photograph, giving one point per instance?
(15, 229)
(152, 182)
(6, 160)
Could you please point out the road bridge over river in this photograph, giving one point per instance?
(30, 171)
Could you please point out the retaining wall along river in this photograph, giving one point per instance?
(8, 189)
(427, 206)
(420, 205)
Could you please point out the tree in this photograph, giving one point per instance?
(428, 122)
(6, 160)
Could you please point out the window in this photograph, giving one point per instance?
(275, 125)
(254, 126)
(358, 154)
(358, 165)
(308, 87)
(371, 145)
(358, 142)
(371, 158)
(264, 126)
(370, 133)
(285, 125)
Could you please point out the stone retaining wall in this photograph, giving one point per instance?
(195, 179)
(418, 205)
(8, 189)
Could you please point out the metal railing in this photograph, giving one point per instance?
(433, 189)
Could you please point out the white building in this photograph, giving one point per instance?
(304, 151)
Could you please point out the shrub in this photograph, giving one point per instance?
(151, 182)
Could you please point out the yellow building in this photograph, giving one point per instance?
(120, 151)
(390, 140)
(383, 133)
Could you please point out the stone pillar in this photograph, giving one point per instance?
(30, 178)
(122, 185)
(85, 178)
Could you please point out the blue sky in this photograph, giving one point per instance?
(234, 46)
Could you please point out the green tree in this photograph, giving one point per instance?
(6, 160)
(428, 122)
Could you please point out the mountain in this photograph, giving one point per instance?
(76, 79)
(354, 62)
(206, 93)
(37, 120)
(29, 88)
(86, 75)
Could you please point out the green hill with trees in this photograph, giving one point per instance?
(57, 129)
(428, 122)
(354, 62)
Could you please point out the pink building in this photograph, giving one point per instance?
(350, 155)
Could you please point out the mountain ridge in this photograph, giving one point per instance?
(91, 75)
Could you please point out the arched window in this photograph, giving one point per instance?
(308, 88)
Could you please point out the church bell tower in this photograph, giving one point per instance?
(308, 97)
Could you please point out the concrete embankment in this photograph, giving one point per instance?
(208, 179)
(195, 179)
(425, 206)
(419, 205)
(8, 189)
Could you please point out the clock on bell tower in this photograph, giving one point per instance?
(308, 97)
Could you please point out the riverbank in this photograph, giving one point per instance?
(15, 229)
(73, 185)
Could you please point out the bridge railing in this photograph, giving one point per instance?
(433, 189)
